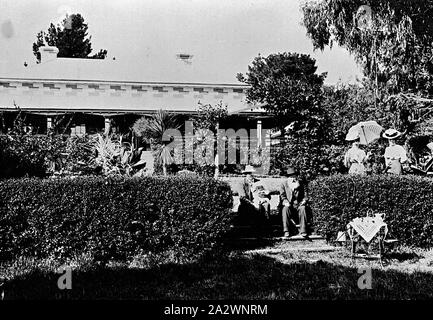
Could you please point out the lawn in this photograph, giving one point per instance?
(284, 270)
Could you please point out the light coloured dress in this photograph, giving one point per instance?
(260, 196)
(394, 156)
(354, 159)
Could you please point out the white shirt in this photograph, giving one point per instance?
(394, 156)
(354, 159)
(293, 184)
(395, 152)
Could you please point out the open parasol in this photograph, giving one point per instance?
(367, 132)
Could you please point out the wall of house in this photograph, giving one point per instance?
(43, 95)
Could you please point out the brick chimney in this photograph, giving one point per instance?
(48, 53)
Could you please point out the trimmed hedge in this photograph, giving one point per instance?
(112, 218)
(406, 200)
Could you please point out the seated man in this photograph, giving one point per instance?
(294, 200)
(254, 206)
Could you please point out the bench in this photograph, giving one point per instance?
(271, 184)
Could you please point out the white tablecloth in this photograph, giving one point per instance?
(367, 227)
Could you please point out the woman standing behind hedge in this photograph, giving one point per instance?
(395, 154)
(355, 158)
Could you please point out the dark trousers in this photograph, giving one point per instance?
(301, 213)
(265, 210)
(256, 218)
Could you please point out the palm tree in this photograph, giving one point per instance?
(152, 130)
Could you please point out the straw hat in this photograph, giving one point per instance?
(391, 134)
(249, 169)
(289, 172)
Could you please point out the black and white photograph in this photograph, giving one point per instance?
(220, 158)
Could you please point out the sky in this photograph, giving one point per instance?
(226, 34)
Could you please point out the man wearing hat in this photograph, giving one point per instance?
(256, 211)
(395, 155)
(294, 201)
(249, 182)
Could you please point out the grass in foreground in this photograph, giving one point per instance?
(237, 275)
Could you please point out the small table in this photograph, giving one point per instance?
(368, 229)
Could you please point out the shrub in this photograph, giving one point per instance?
(80, 151)
(111, 218)
(406, 200)
(28, 155)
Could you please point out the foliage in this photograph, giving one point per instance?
(418, 144)
(348, 104)
(80, 153)
(206, 125)
(70, 38)
(396, 46)
(108, 154)
(27, 155)
(111, 218)
(394, 52)
(209, 115)
(305, 145)
(414, 113)
(328, 160)
(201, 170)
(23, 154)
(345, 106)
(112, 157)
(406, 201)
(287, 86)
(153, 130)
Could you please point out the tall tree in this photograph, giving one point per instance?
(71, 38)
(207, 121)
(285, 84)
(288, 87)
(393, 48)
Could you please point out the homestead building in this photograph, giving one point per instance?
(85, 96)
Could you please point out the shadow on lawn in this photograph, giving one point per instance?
(403, 256)
(236, 277)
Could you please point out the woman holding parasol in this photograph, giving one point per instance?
(362, 133)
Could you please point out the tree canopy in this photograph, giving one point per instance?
(71, 38)
(396, 46)
(285, 84)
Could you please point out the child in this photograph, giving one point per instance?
(260, 195)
